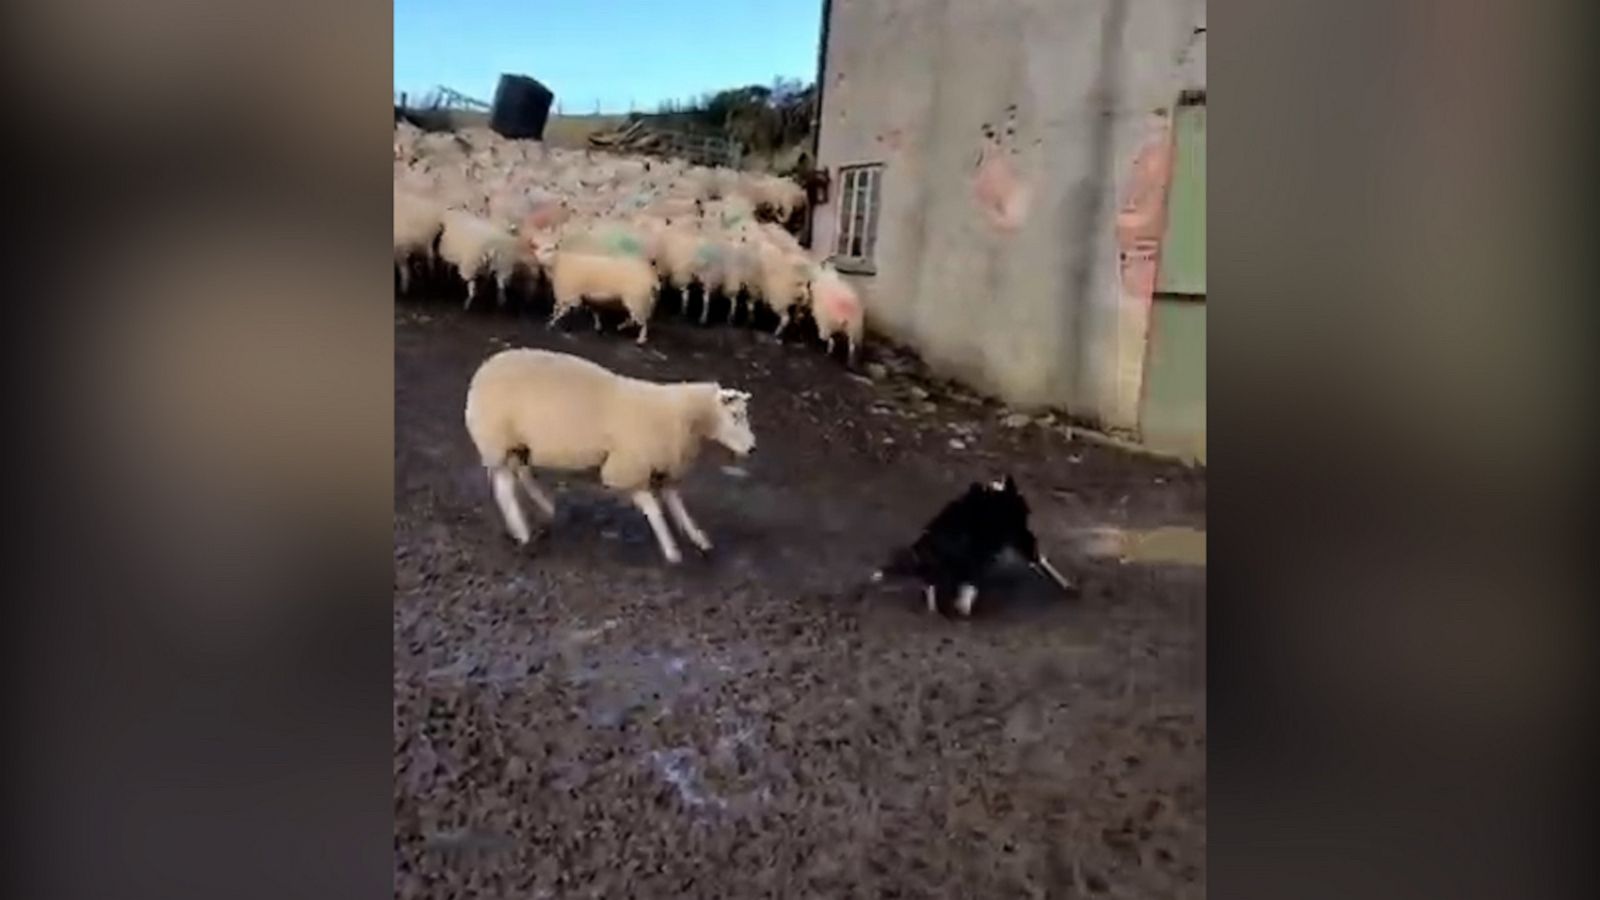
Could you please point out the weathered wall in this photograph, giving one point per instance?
(1025, 302)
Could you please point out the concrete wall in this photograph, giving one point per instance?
(1071, 90)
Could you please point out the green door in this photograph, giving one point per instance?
(1172, 416)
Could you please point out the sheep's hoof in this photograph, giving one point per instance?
(535, 536)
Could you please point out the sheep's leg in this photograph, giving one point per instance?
(595, 312)
(644, 331)
(560, 312)
(852, 351)
(705, 307)
(505, 494)
(648, 505)
(537, 494)
(472, 292)
(501, 283)
(931, 593)
(680, 515)
(405, 276)
(783, 322)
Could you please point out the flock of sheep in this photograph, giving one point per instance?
(609, 232)
(613, 232)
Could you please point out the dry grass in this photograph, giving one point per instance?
(572, 132)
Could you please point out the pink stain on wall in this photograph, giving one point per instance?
(1001, 194)
(1143, 214)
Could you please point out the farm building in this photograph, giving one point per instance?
(1019, 189)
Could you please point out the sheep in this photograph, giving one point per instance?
(542, 409)
(626, 281)
(741, 275)
(778, 196)
(478, 247)
(613, 238)
(417, 224)
(785, 282)
(837, 310)
(689, 255)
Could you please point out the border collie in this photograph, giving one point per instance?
(964, 539)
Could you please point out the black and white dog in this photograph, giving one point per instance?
(964, 539)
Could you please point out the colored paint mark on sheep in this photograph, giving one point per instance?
(708, 254)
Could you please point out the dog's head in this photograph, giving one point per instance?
(1004, 512)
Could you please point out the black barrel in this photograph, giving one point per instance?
(521, 107)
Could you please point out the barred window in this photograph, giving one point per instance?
(860, 187)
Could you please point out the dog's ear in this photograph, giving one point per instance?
(1010, 484)
(975, 489)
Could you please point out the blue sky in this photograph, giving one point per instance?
(611, 51)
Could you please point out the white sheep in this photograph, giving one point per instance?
(417, 223)
(837, 309)
(785, 281)
(690, 255)
(477, 247)
(741, 274)
(601, 280)
(780, 196)
(538, 408)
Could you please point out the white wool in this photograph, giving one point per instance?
(785, 277)
(841, 317)
(477, 247)
(599, 280)
(677, 258)
(417, 223)
(741, 263)
(535, 408)
(575, 415)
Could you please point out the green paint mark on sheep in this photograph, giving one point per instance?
(623, 243)
(707, 254)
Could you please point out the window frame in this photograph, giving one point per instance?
(857, 182)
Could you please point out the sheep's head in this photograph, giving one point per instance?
(732, 429)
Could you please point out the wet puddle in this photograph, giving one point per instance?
(1170, 545)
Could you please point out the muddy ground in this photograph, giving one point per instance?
(579, 720)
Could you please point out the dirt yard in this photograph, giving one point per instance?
(579, 720)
